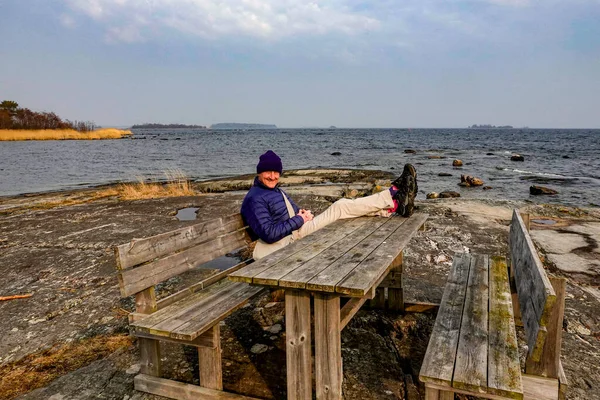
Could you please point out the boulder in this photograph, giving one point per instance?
(489, 154)
(336, 153)
(410, 151)
(446, 194)
(435, 157)
(457, 163)
(433, 195)
(468, 181)
(444, 174)
(517, 157)
(538, 190)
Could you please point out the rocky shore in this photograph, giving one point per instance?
(69, 339)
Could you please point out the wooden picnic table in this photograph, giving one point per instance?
(348, 258)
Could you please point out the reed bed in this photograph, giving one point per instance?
(62, 134)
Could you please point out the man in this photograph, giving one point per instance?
(276, 221)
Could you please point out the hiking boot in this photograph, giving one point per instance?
(407, 191)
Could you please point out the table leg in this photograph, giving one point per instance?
(328, 347)
(395, 294)
(298, 348)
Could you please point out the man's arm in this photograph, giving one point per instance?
(259, 219)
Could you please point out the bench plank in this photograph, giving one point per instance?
(248, 273)
(440, 356)
(362, 278)
(315, 275)
(203, 308)
(470, 371)
(134, 280)
(504, 369)
(272, 275)
(142, 250)
(536, 295)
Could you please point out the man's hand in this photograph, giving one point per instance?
(306, 215)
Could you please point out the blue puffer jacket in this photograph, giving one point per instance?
(264, 211)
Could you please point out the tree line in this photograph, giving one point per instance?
(14, 117)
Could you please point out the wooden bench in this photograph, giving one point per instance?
(473, 347)
(190, 316)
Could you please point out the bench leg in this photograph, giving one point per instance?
(436, 394)
(298, 347)
(395, 294)
(328, 347)
(378, 302)
(209, 361)
(150, 357)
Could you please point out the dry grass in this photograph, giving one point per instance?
(39, 369)
(62, 134)
(177, 185)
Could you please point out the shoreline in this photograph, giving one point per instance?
(21, 135)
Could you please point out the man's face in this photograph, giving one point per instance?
(269, 178)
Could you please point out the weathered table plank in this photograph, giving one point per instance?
(328, 278)
(272, 275)
(367, 273)
(299, 277)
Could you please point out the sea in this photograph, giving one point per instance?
(566, 160)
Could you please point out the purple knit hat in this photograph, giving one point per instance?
(269, 162)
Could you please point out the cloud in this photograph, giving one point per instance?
(133, 20)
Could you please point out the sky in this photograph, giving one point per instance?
(295, 63)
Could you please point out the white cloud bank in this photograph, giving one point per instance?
(136, 20)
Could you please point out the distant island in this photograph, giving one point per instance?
(167, 126)
(233, 125)
(491, 126)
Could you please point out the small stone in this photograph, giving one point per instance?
(56, 396)
(489, 154)
(271, 304)
(433, 195)
(14, 330)
(448, 194)
(468, 181)
(273, 337)
(440, 259)
(275, 328)
(487, 188)
(409, 151)
(434, 157)
(336, 153)
(444, 174)
(517, 157)
(388, 392)
(259, 348)
(133, 370)
(539, 190)
(457, 163)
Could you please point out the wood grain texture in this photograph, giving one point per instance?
(209, 362)
(470, 370)
(395, 294)
(328, 347)
(248, 273)
(539, 388)
(181, 391)
(142, 250)
(536, 295)
(135, 279)
(438, 364)
(504, 369)
(299, 277)
(377, 264)
(549, 363)
(190, 317)
(150, 357)
(349, 309)
(162, 303)
(329, 278)
(317, 255)
(298, 346)
(563, 383)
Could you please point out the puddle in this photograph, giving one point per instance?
(187, 214)
(544, 221)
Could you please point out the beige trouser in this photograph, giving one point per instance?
(376, 204)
